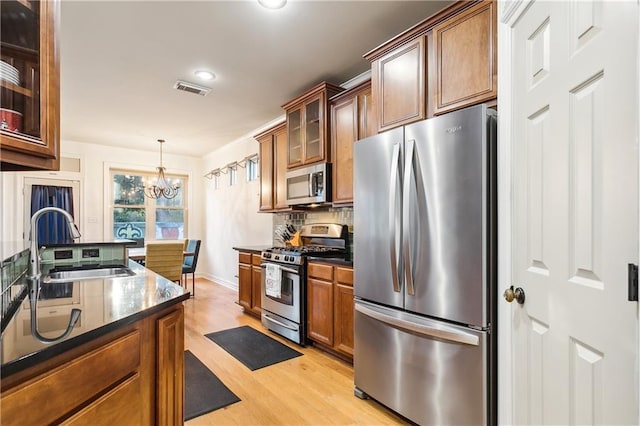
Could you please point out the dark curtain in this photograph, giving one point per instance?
(52, 227)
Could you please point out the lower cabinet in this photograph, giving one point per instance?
(330, 307)
(343, 311)
(250, 283)
(170, 374)
(116, 406)
(134, 375)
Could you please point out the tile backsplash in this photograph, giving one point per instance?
(14, 284)
(343, 216)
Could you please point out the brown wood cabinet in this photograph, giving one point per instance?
(352, 118)
(29, 43)
(343, 310)
(134, 375)
(308, 125)
(466, 58)
(256, 285)
(250, 283)
(330, 308)
(399, 85)
(273, 168)
(446, 62)
(170, 385)
(265, 142)
(320, 303)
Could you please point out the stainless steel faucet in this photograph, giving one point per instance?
(33, 277)
(34, 254)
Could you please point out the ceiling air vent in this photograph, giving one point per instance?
(191, 88)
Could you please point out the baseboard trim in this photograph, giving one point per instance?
(219, 280)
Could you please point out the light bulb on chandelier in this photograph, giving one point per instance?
(160, 186)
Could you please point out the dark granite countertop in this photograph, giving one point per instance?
(253, 249)
(106, 304)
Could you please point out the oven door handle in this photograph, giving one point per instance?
(284, 268)
(268, 318)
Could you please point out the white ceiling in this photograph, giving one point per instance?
(120, 60)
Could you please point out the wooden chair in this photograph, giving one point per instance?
(165, 259)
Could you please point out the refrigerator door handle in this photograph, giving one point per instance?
(393, 210)
(441, 331)
(406, 210)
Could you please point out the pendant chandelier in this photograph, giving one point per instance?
(160, 186)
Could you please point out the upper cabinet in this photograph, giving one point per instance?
(352, 119)
(446, 62)
(399, 83)
(29, 85)
(273, 167)
(308, 127)
(266, 171)
(280, 147)
(465, 58)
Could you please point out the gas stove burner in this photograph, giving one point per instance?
(306, 250)
(319, 240)
(297, 255)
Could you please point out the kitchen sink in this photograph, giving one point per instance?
(58, 275)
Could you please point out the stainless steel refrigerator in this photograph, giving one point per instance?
(425, 268)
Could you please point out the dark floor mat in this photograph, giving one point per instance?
(252, 348)
(204, 392)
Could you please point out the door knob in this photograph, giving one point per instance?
(518, 295)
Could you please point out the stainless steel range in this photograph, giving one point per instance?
(284, 277)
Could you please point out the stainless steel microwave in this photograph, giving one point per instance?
(309, 185)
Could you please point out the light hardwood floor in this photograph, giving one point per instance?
(313, 389)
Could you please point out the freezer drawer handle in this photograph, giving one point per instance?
(445, 333)
(268, 318)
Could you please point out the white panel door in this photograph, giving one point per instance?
(574, 211)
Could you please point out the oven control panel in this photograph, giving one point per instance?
(282, 258)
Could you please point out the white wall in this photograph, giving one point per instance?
(231, 215)
(94, 161)
(221, 218)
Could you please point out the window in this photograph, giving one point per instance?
(233, 174)
(137, 216)
(252, 168)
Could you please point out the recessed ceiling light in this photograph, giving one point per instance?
(205, 75)
(272, 4)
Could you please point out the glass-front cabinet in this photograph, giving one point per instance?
(294, 122)
(29, 85)
(313, 131)
(308, 126)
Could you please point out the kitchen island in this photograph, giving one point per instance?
(123, 361)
